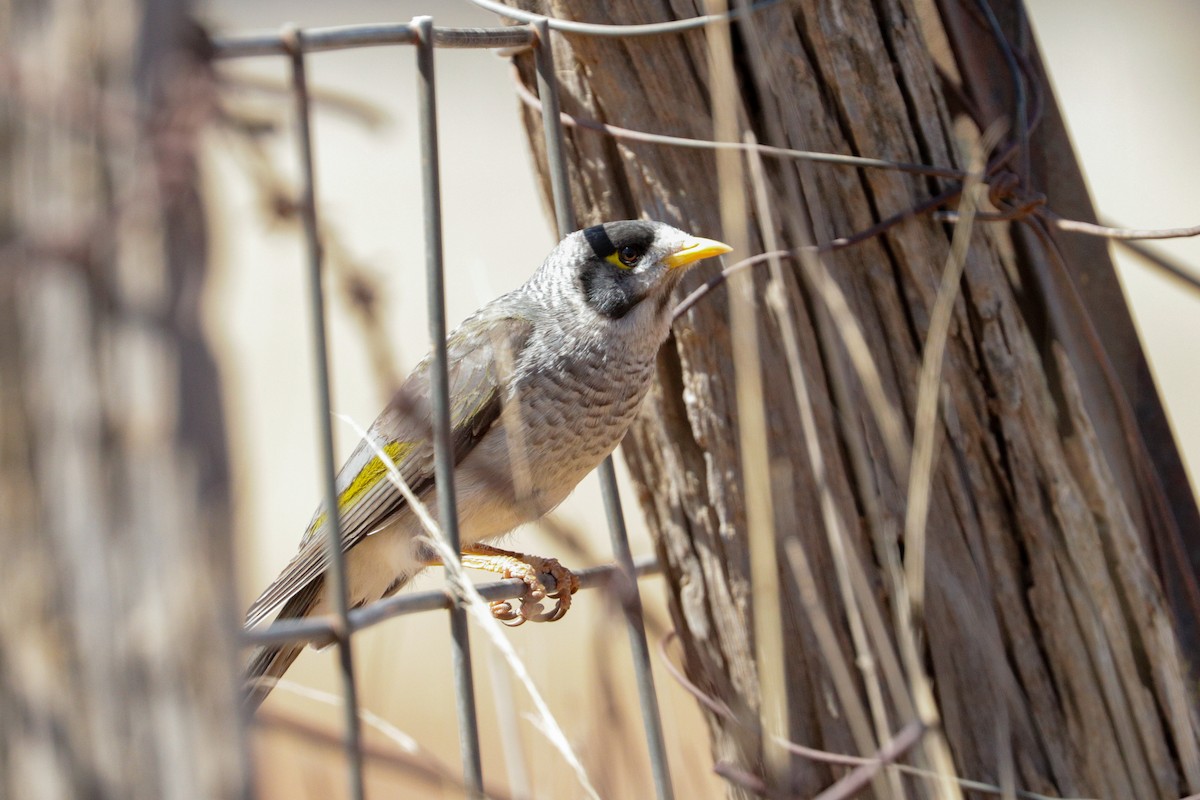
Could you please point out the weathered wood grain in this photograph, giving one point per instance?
(1046, 632)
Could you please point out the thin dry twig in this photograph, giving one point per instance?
(836, 531)
(910, 590)
(420, 764)
(353, 107)
(929, 384)
(511, 745)
(717, 707)
(478, 608)
(855, 341)
(401, 739)
(861, 776)
(751, 418)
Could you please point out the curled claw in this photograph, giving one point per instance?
(531, 609)
(503, 611)
(554, 614)
(528, 569)
(566, 584)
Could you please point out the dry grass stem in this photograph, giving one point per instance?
(372, 720)
(835, 528)
(513, 748)
(825, 757)
(754, 447)
(911, 589)
(929, 384)
(478, 608)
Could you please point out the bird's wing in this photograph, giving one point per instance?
(367, 500)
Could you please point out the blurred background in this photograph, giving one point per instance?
(1122, 77)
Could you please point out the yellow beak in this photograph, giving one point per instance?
(694, 251)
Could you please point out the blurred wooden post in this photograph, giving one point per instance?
(1060, 664)
(117, 665)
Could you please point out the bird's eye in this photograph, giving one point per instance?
(629, 255)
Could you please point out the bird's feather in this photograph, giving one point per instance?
(481, 352)
(269, 662)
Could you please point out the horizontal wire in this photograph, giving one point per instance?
(601, 29)
(1109, 232)
(315, 629)
(370, 35)
(617, 132)
(344, 37)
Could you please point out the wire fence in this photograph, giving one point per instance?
(976, 572)
(295, 44)
(533, 32)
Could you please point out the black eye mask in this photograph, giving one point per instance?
(597, 237)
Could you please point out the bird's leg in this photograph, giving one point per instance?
(528, 568)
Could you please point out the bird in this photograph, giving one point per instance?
(544, 383)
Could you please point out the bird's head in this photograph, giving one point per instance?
(625, 269)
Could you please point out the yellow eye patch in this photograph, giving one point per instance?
(615, 260)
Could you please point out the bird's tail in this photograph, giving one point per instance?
(269, 662)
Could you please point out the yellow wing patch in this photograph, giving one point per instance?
(372, 473)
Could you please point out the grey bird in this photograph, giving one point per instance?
(544, 383)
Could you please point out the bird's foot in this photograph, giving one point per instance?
(529, 569)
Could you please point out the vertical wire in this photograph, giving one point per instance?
(468, 722)
(335, 575)
(631, 601)
(560, 184)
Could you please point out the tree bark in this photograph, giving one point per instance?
(1059, 662)
(117, 662)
